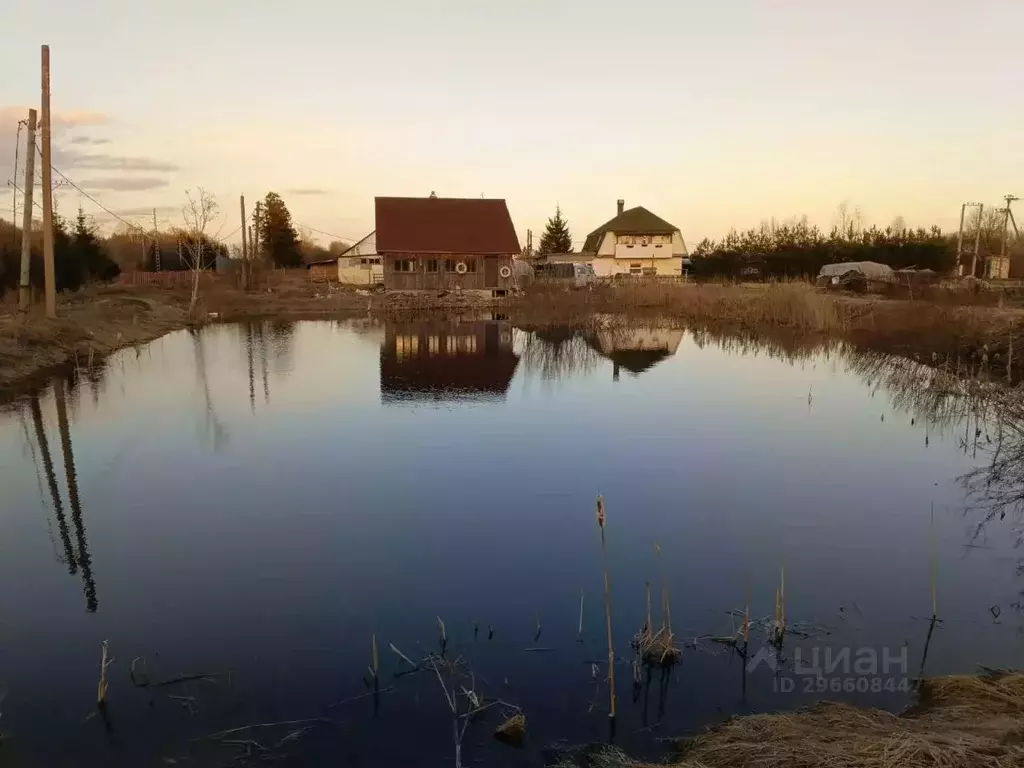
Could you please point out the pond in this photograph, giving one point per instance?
(255, 507)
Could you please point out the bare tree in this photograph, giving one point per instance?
(198, 213)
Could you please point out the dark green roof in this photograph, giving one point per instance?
(635, 221)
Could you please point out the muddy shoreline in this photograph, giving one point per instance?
(104, 319)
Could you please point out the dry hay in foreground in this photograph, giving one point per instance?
(960, 722)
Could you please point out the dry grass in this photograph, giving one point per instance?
(961, 722)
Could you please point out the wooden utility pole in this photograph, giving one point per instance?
(1007, 218)
(246, 266)
(241, 205)
(156, 244)
(977, 239)
(256, 228)
(960, 242)
(49, 275)
(24, 287)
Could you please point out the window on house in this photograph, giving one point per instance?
(403, 265)
(431, 265)
(406, 346)
(635, 268)
(434, 344)
(450, 345)
(659, 245)
(470, 266)
(449, 265)
(629, 246)
(375, 261)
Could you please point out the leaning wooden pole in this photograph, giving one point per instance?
(24, 284)
(607, 609)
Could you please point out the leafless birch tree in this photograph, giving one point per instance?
(198, 213)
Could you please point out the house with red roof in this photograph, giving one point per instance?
(445, 243)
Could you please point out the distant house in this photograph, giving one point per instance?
(636, 242)
(361, 264)
(445, 243)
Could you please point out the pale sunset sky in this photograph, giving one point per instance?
(712, 115)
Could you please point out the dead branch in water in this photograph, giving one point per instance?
(101, 687)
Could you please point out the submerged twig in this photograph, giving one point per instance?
(239, 729)
(360, 696)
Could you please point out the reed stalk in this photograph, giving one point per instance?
(579, 632)
(648, 626)
(375, 657)
(934, 566)
(607, 608)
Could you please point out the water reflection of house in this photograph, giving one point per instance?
(635, 349)
(443, 360)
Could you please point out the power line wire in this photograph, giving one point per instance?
(326, 234)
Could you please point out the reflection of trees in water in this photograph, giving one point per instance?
(213, 427)
(557, 353)
(80, 559)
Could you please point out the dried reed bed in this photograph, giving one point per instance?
(961, 722)
(800, 308)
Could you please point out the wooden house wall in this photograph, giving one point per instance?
(486, 277)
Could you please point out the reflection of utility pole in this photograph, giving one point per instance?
(76, 506)
(252, 386)
(51, 481)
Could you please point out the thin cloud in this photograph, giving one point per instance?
(72, 158)
(76, 119)
(9, 117)
(88, 140)
(161, 210)
(307, 191)
(122, 184)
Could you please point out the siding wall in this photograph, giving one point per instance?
(421, 280)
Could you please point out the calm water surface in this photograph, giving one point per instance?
(265, 499)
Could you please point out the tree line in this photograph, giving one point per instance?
(82, 254)
(79, 255)
(798, 249)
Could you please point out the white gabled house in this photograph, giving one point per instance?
(361, 264)
(636, 242)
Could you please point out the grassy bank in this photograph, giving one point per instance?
(101, 319)
(960, 722)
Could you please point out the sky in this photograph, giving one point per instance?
(712, 115)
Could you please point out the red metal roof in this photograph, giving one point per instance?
(444, 225)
